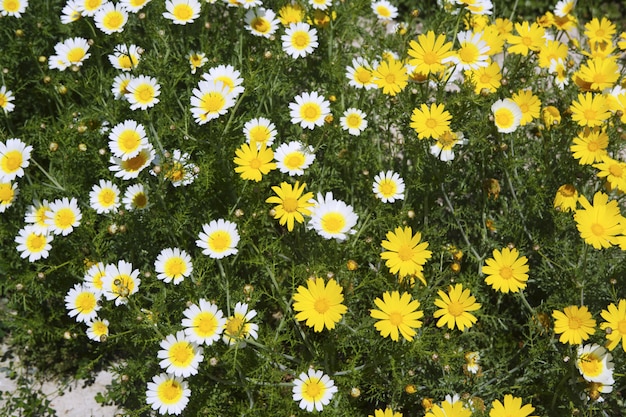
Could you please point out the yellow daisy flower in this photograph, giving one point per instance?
(430, 122)
(319, 304)
(506, 271)
(292, 205)
(404, 254)
(253, 162)
(454, 308)
(391, 75)
(574, 324)
(398, 314)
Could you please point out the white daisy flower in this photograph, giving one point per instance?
(595, 364)
(14, 157)
(294, 157)
(299, 40)
(89, 7)
(104, 197)
(13, 8)
(443, 147)
(178, 169)
(507, 115)
(179, 355)
(260, 131)
(564, 7)
(182, 12)
(168, 394)
(388, 187)
(33, 245)
(126, 139)
(309, 110)
(8, 193)
(384, 10)
(321, 4)
(125, 57)
(134, 6)
(238, 326)
(210, 100)
(71, 52)
(98, 329)
(130, 168)
(143, 92)
(173, 265)
(120, 85)
(135, 198)
(204, 322)
(332, 219)
(354, 121)
(64, 216)
(93, 278)
(120, 281)
(196, 60)
(360, 74)
(6, 100)
(70, 12)
(472, 52)
(229, 76)
(313, 390)
(82, 303)
(36, 215)
(218, 239)
(111, 18)
(261, 22)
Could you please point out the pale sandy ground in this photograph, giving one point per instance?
(79, 402)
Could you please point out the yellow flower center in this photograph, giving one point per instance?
(6, 193)
(113, 20)
(170, 392)
(405, 253)
(431, 123)
(383, 11)
(310, 112)
(590, 114)
(92, 4)
(294, 160)
(175, 267)
(99, 328)
(106, 197)
(590, 364)
(506, 272)
(313, 390)
(597, 229)
(333, 222)
(126, 61)
(290, 205)
(260, 24)
(430, 58)
(85, 302)
(621, 327)
(11, 6)
(129, 141)
(144, 93)
(235, 327)
(593, 146)
(35, 242)
(455, 308)
(567, 190)
(219, 241)
(527, 40)
(134, 163)
(12, 161)
(395, 318)
(140, 200)
(65, 218)
(76, 54)
(255, 163)
(390, 78)
(126, 286)
(321, 305)
(213, 102)
(205, 323)
(468, 53)
(181, 354)
(353, 121)
(300, 40)
(363, 75)
(575, 323)
(176, 172)
(259, 134)
(3, 100)
(504, 118)
(388, 188)
(183, 12)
